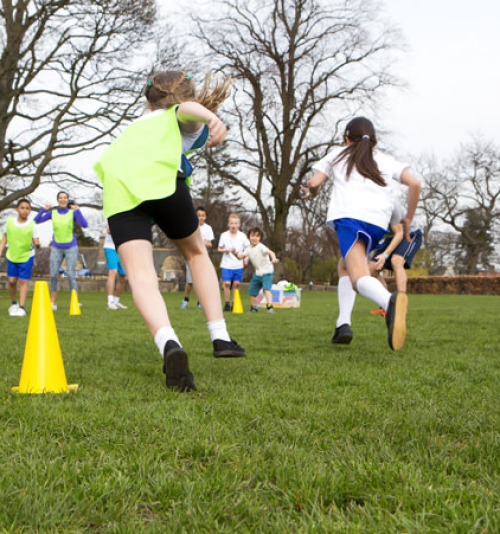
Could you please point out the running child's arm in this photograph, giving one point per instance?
(239, 255)
(413, 184)
(36, 240)
(312, 186)
(192, 115)
(3, 242)
(397, 230)
(272, 255)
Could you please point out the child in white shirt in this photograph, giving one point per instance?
(232, 268)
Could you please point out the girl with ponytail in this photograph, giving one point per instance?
(364, 181)
(146, 174)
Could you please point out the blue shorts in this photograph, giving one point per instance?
(113, 261)
(232, 275)
(350, 230)
(406, 249)
(264, 281)
(20, 270)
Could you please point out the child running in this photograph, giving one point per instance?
(230, 242)
(64, 243)
(263, 260)
(145, 174)
(20, 236)
(116, 273)
(360, 211)
(207, 235)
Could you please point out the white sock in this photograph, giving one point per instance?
(111, 299)
(218, 330)
(164, 334)
(347, 297)
(117, 300)
(372, 289)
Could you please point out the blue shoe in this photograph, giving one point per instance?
(184, 305)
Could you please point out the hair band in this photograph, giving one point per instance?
(150, 83)
(189, 77)
(365, 137)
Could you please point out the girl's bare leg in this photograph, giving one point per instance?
(205, 279)
(23, 292)
(137, 259)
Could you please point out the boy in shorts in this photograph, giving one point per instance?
(20, 235)
(262, 260)
(230, 242)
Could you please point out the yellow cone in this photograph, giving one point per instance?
(43, 369)
(237, 306)
(74, 307)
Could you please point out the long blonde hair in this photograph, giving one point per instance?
(169, 88)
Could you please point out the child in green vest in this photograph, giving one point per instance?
(20, 237)
(146, 174)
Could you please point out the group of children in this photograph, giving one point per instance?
(146, 173)
(237, 249)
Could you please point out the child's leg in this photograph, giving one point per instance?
(346, 295)
(398, 266)
(187, 290)
(13, 288)
(236, 285)
(359, 273)
(253, 301)
(227, 291)
(120, 285)
(205, 280)
(269, 296)
(111, 282)
(137, 259)
(23, 292)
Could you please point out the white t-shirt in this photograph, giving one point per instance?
(206, 232)
(108, 240)
(260, 259)
(359, 197)
(398, 213)
(36, 234)
(238, 243)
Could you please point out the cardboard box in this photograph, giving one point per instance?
(281, 298)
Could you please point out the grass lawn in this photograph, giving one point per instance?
(299, 437)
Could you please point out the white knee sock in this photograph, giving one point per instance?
(372, 289)
(218, 330)
(164, 334)
(347, 296)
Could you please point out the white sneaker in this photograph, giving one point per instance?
(54, 307)
(21, 312)
(13, 309)
(121, 306)
(112, 306)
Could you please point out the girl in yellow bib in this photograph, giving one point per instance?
(145, 174)
(64, 244)
(20, 236)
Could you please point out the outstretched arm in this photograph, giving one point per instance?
(192, 115)
(312, 186)
(413, 184)
(44, 214)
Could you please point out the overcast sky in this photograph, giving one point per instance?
(453, 73)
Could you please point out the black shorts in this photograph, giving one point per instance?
(406, 249)
(175, 215)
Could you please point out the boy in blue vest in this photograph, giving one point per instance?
(20, 236)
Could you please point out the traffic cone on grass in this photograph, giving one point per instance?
(237, 306)
(43, 368)
(74, 307)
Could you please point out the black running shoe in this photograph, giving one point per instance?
(227, 307)
(395, 318)
(228, 349)
(253, 310)
(343, 335)
(175, 367)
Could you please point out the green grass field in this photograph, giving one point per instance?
(299, 437)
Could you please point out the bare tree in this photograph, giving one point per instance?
(64, 83)
(299, 68)
(465, 195)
